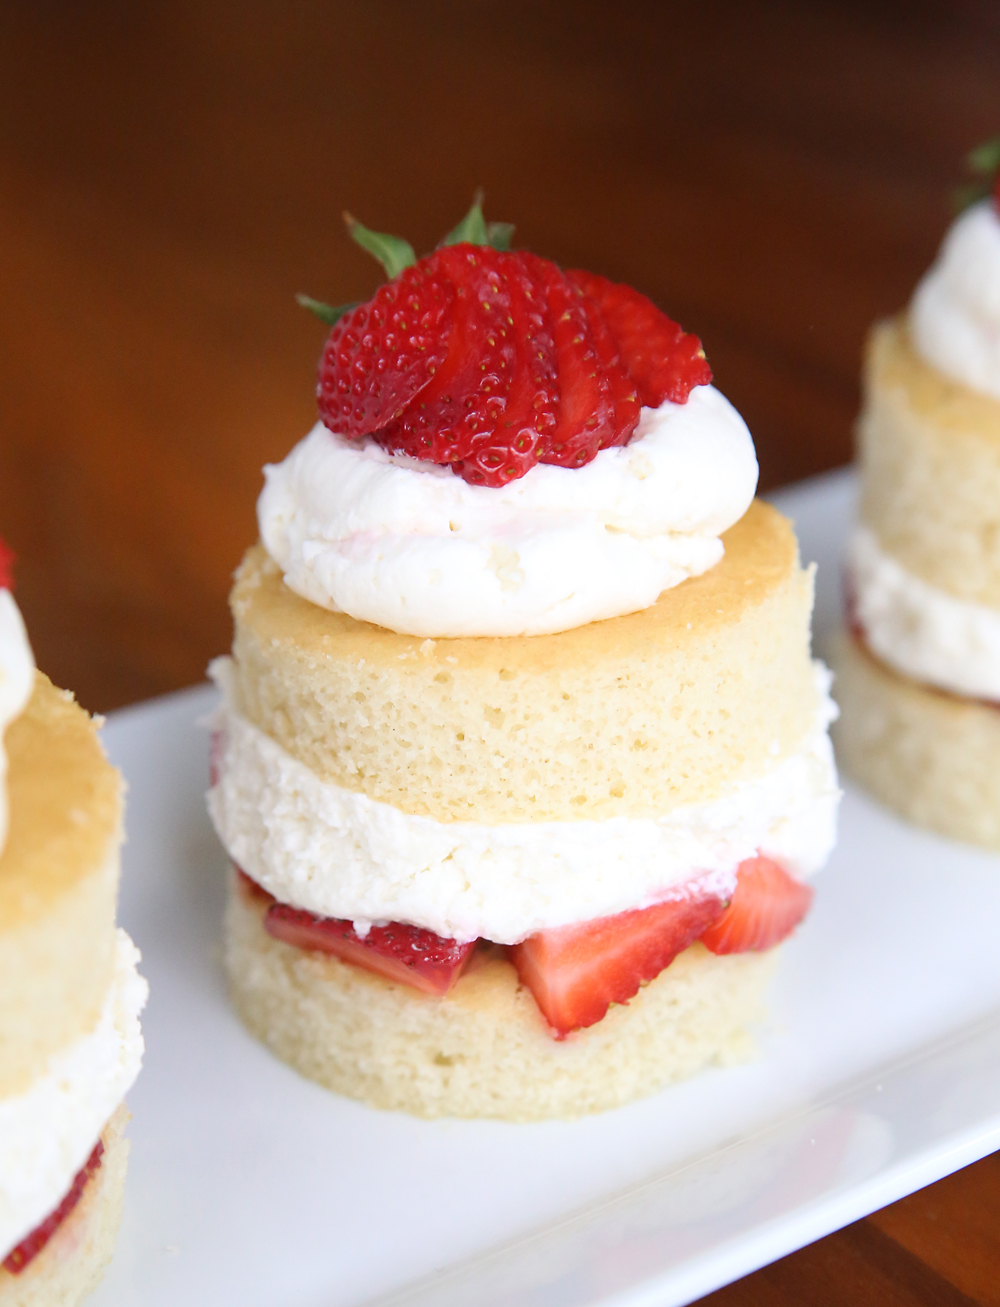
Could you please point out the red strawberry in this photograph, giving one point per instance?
(664, 361)
(467, 396)
(624, 395)
(382, 354)
(577, 972)
(32, 1244)
(399, 952)
(585, 412)
(767, 905)
(6, 566)
(529, 417)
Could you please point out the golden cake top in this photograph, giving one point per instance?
(65, 804)
(761, 552)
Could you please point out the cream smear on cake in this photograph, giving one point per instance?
(411, 547)
(922, 631)
(955, 315)
(17, 676)
(337, 853)
(49, 1131)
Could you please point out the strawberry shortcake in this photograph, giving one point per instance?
(70, 996)
(919, 676)
(522, 760)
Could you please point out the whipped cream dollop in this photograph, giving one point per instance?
(17, 677)
(331, 851)
(955, 315)
(920, 630)
(48, 1131)
(410, 546)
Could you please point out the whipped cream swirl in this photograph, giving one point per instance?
(17, 677)
(49, 1131)
(922, 631)
(331, 851)
(411, 547)
(955, 315)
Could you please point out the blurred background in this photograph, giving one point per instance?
(775, 176)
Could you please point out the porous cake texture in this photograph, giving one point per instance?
(71, 1264)
(632, 716)
(929, 451)
(484, 1050)
(58, 883)
(933, 757)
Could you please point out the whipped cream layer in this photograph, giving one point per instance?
(955, 315)
(920, 630)
(410, 546)
(331, 851)
(17, 677)
(49, 1131)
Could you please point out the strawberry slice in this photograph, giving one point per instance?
(767, 905)
(585, 412)
(6, 565)
(529, 416)
(32, 1244)
(399, 952)
(662, 359)
(623, 393)
(382, 354)
(577, 972)
(467, 397)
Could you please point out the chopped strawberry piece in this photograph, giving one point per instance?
(767, 905)
(382, 354)
(467, 397)
(32, 1244)
(399, 952)
(529, 416)
(6, 566)
(662, 359)
(577, 972)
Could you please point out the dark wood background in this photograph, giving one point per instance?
(776, 176)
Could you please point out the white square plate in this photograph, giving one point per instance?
(879, 1073)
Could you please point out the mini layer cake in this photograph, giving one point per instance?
(70, 1045)
(919, 675)
(520, 787)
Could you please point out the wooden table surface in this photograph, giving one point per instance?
(776, 176)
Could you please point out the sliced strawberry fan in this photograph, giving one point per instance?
(489, 361)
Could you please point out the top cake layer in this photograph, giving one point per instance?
(58, 882)
(627, 717)
(930, 458)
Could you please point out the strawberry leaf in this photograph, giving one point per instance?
(472, 228)
(500, 235)
(392, 252)
(985, 158)
(328, 313)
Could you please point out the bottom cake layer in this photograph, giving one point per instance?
(484, 1050)
(933, 757)
(72, 1263)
